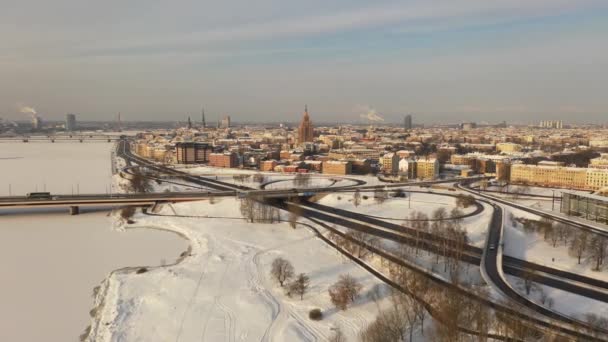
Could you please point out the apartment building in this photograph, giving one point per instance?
(334, 167)
(427, 168)
(192, 153)
(227, 160)
(390, 163)
(560, 176)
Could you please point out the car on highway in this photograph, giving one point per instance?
(39, 195)
(492, 247)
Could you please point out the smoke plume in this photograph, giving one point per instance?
(371, 115)
(27, 110)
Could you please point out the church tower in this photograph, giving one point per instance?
(305, 131)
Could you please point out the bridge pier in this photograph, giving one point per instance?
(74, 210)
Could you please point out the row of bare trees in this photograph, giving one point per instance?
(583, 245)
(302, 180)
(457, 316)
(241, 178)
(354, 241)
(450, 236)
(256, 210)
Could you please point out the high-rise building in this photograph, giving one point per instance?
(555, 124)
(305, 130)
(226, 122)
(407, 122)
(191, 153)
(70, 122)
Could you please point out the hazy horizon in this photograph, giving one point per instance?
(445, 61)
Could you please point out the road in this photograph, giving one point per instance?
(542, 213)
(491, 261)
(571, 282)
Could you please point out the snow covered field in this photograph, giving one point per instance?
(223, 291)
(532, 247)
(396, 209)
(59, 168)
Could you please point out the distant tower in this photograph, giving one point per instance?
(119, 124)
(70, 122)
(203, 114)
(407, 122)
(306, 130)
(226, 122)
(189, 123)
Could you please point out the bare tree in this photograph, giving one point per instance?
(339, 297)
(259, 178)
(295, 212)
(380, 196)
(357, 198)
(419, 222)
(302, 180)
(281, 270)
(521, 190)
(529, 277)
(597, 250)
(578, 245)
(344, 291)
(465, 201)
(337, 336)
(127, 212)
(357, 247)
(300, 285)
(597, 321)
(139, 183)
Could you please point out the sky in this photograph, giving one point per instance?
(439, 60)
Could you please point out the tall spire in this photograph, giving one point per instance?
(306, 108)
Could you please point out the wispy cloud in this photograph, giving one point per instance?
(411, 15)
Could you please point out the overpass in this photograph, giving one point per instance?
(76, 137)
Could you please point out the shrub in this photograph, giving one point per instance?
(141, 270)
(315, 314)
(127, 212)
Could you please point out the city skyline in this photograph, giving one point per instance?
(465, 60)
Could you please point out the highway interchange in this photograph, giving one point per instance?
(493, 264)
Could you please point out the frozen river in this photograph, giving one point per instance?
(52, 261)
